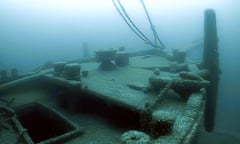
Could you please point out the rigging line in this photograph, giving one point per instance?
(143, 37)
(132, 23)
(156, 37)
(130, 26)
(153, 45)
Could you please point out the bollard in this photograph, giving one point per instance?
(4, 75)
(72, 71)
(122, 59)
(14, 73)
(179, 55)
(59, 68)
(106, 57)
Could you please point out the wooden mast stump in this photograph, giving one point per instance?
(211, 62)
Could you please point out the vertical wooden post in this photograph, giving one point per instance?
(211, 63)
(85, 50)
(3, 76)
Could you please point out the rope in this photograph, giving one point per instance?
(130, 26)
(135, 29)
(156, 37)
(124, 11)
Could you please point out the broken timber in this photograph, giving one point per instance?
(183, 84)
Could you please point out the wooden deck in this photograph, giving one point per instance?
(111, 87)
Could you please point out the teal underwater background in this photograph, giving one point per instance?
(33, 32)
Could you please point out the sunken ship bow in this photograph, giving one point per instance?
(146, 97)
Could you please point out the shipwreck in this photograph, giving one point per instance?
(145, 97)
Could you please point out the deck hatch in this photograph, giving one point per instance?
(45, 125)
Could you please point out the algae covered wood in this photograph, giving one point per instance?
(211, 62)
(182, 84)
